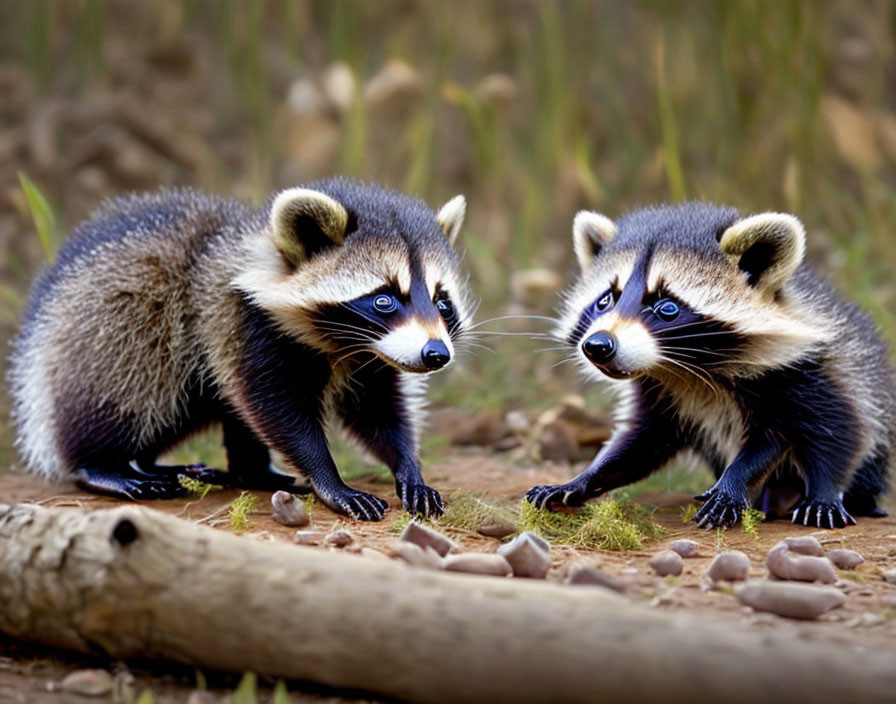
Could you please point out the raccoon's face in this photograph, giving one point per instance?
(361, 273)
(673, 298)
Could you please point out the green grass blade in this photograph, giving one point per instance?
(42, 214)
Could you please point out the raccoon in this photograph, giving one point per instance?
(168, 312)
(720, 340)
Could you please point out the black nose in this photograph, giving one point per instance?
(600, 348)
(435, 354)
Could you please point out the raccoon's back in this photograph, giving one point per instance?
(109, 325)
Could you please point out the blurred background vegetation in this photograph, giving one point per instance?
(532, 109)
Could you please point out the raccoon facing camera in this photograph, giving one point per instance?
(165, 313)
(721, 341)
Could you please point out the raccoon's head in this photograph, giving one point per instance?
(359, 272)
(688, 291)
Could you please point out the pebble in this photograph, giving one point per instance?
(498, 529)
(414, 555)
(667, 562)
(805, 545)
(889, 576)
(783, 564)
(591, 576)
(308, 537)
(802, 601)
(424, 536)
(88, 683)
(478, 563)
(288, 510)
(528, 554)
(733, 566)
(339, 538)
(684, 547)
(845, 559)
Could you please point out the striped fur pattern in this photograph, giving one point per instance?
(166, 312)
(724, 342)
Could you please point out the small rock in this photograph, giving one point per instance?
(339, 538)
(373, 554)
(783, 564)
(478, 563)
(414, 555)
(88, 683)
(732, 566)
(805, 545)
(889, 576)
(557, 441)
(498, 529)
(584, 574)
(684, 547)
(308, 537)
(667, 562)
(288, 510)
(845, 559)
(803, 601)
(529, 555)
(425, 536)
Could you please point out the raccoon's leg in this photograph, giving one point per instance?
(652, 437)
(375, 410)
(129, 481)
(867, 485)
(730, 495)
(824, 471)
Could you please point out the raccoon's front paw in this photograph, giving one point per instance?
(722, 509)
(552, 496)
(420, 500)
(359, 505)
(823, 514)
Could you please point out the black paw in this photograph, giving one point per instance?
(421, 500)
(358, 504)
(133, 488)
(552, 496)
(823, 514)
(261, 481)
(721, 510)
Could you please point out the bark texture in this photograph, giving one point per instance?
(132, 582)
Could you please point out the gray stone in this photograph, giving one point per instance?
(478, 563)
(309, 537)
(784, 564)
(288, 510)
(804, 545)
(88, 683)
(424, 536)
(733, 566)
(339, 538)
(591, 576)
(845, 559)
(667, 562)
(529, 555)
(684, 547)
(789, 599)
(498, 529)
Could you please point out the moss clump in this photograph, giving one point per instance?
(750, 522)
(239, 511)
(197, 488)
(406, 517)
(689, 512)
(612, 524)
(469, 511)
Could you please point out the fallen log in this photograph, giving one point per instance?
(131, 582)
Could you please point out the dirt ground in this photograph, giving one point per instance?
(866, 621)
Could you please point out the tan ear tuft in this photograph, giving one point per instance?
(304, 221)
(451, 217)
(769, 247)
(590, 232)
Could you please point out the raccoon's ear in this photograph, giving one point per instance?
(590, 232)
(768, 246)
(303, 222)
(451, 217)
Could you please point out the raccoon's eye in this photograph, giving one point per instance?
(385, 304)
(605, 301)
(446, 309)
(667, 310)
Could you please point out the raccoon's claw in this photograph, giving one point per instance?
(262, 481)
(706, 495)
(549, 496)
(721, 510)
(822, 514)
(361, 505)
(421, 500)
(132, 488)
